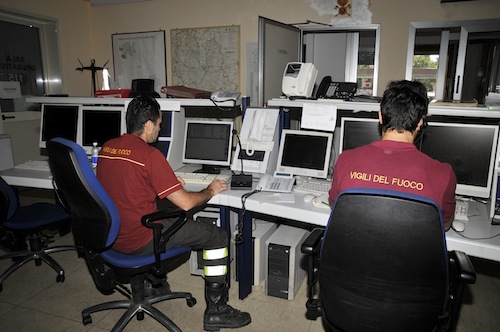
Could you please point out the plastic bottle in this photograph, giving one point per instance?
(95, 154)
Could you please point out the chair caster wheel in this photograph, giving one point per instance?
(191, 302)
(60, 278)
(86, 320)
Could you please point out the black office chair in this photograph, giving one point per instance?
(382, 265)
(29, 221)
(96, 223)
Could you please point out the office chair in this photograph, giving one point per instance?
(382, 265)
(96, 223)
(29, 221)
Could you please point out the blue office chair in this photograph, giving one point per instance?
(95, 225)
(382, 265)
(29, 221)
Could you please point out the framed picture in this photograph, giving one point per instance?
(139, 55)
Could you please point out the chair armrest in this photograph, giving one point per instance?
(311, 245)
(465, 269)
(160, 239)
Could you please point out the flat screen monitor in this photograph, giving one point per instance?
(99, 124)
(305, 153)
(58, 121)
(208, 143)
(469, 148)
(356, 132)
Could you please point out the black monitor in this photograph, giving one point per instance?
(208, 143)
(58, 121)
(355, 132)
(99, 124)
(304, 152)
(469, 148)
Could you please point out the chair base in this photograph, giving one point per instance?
(139, 307)
(38, 257)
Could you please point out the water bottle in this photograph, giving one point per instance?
(95, 154)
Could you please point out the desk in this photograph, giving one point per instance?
(478, 226)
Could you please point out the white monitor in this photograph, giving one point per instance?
(469, 148)
(99, 124)
(59, 120)
(355, 132)
(208, 143)
(305, 153)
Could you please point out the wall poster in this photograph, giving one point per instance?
(139, 55)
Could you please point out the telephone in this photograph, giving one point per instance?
(220, 96)
(336, 90)
(279, 182)
(258, 129)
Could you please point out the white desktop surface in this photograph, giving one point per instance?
(482, 112)
(478, 226)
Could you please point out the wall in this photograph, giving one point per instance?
(85, 30)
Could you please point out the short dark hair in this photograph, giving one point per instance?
(403, 105)
(139, 111)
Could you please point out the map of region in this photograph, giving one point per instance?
(206, 58)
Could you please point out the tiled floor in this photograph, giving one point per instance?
(31, 300)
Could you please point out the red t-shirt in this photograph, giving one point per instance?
(134, 174)
(396, 166)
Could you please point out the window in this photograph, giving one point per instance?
(29, 54)
(459, 60)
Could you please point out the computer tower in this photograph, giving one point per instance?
(261, 233)
(285, 261)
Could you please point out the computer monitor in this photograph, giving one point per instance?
(99, 124)
(208, 143)
(58, 121)
(469, 148)
(355, 132)
(305, 153)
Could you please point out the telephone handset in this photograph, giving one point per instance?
(279, 182)
(336, 90)
(257, 129)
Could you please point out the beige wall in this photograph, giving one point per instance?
(85, 30)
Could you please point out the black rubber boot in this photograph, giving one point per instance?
(219, 314)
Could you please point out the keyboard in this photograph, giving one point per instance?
(202, 178)
(34, 165)
(313, 186)
(461, 210)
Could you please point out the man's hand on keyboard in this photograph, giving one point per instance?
(181, 180)
(217, 186)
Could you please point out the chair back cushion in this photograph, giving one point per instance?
(8, 201)
(383, 264)
(94, 216)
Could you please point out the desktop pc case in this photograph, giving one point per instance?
(262, 231)
(285, 262)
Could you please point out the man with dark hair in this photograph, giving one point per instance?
(135, 174)
(395, 163)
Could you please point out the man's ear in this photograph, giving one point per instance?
(148, 126)
(420, 124)
(380, 117)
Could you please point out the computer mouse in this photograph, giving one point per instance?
(308, 198)
(458, 226)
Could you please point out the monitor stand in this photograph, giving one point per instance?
(208, 169)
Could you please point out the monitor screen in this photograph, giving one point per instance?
(355, 132)
(208, 143)
(469, 148)
(304, 152)
(58, 121)
(99, 124)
